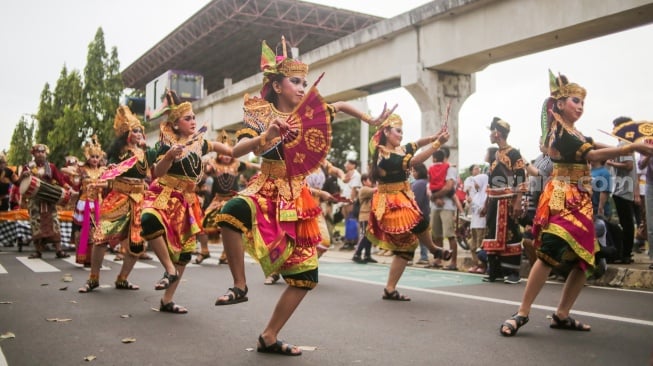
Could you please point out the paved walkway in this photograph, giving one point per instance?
(636, 275)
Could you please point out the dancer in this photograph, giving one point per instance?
(275, 210)
(87, 208)
(171, 210)
(396, 222)
(225, 171)
(120, 211)
(564, 213)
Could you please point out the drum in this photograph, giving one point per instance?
(33, 187)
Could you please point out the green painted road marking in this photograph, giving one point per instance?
(412, 277)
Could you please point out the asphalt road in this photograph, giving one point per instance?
(453, 319)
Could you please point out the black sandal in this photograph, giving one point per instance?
(278, 347)
(171, 307)
(568, 324)
(166, 281)
(62, 254)
(201, 257)
(89, 286)
(234, 295)
(444, 254)
(520, 321)
(126, 285)
(394, 295)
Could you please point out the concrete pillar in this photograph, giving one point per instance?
(433, 91)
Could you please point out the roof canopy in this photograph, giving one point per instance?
(223, 39)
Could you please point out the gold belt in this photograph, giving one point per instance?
(128, 187)
(274, 168)
(393, 187)
(178, 184)
(571, 172)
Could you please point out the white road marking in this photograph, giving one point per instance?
(504, 302)
(37, 265)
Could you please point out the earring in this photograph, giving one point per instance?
(175, 128)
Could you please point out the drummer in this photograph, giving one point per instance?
(44, 219)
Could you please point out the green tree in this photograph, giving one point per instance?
(346, 138)
(58, 128)
(21, 143)
(102, 88)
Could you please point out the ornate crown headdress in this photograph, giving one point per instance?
(271, 64)
(125, 121)
(392, 121)
(93, 148)
(560, 87)
(176, 108)
(224, 138)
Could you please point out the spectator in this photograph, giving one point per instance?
(477, 195)
(363, 252)
(419, 186)
(503, 208)
(443, 211)
(624, 197)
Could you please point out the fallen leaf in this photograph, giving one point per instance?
(6, 302)
(73, 302)
(126, 316)
(44, 284)
(307, 348)
(90, 358)
(63, 288)
(67, 278)
(128, 340)
(58, 319)
(155, 309)
(7, 335)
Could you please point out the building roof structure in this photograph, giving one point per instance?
(223, 39)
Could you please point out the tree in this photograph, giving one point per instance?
(346, 138)
(21, 143)
(102, 88)
(77, 109)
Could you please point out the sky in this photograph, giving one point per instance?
(615, 69)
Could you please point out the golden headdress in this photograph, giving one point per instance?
(224, 138)
(125, 121)
(392, 121)
(271, 64)
(560, 87)
(176, 108)
(93, 148)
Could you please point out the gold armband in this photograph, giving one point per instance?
(366, 118)
(263, 140)
(436, 144)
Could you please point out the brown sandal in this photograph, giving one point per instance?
(89, 286)
(394, 295)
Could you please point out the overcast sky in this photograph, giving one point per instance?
(40, 36)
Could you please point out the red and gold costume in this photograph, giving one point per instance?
(171, 208)
(87, 208)
(120, 212)
(276, 212)
(395, 217)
